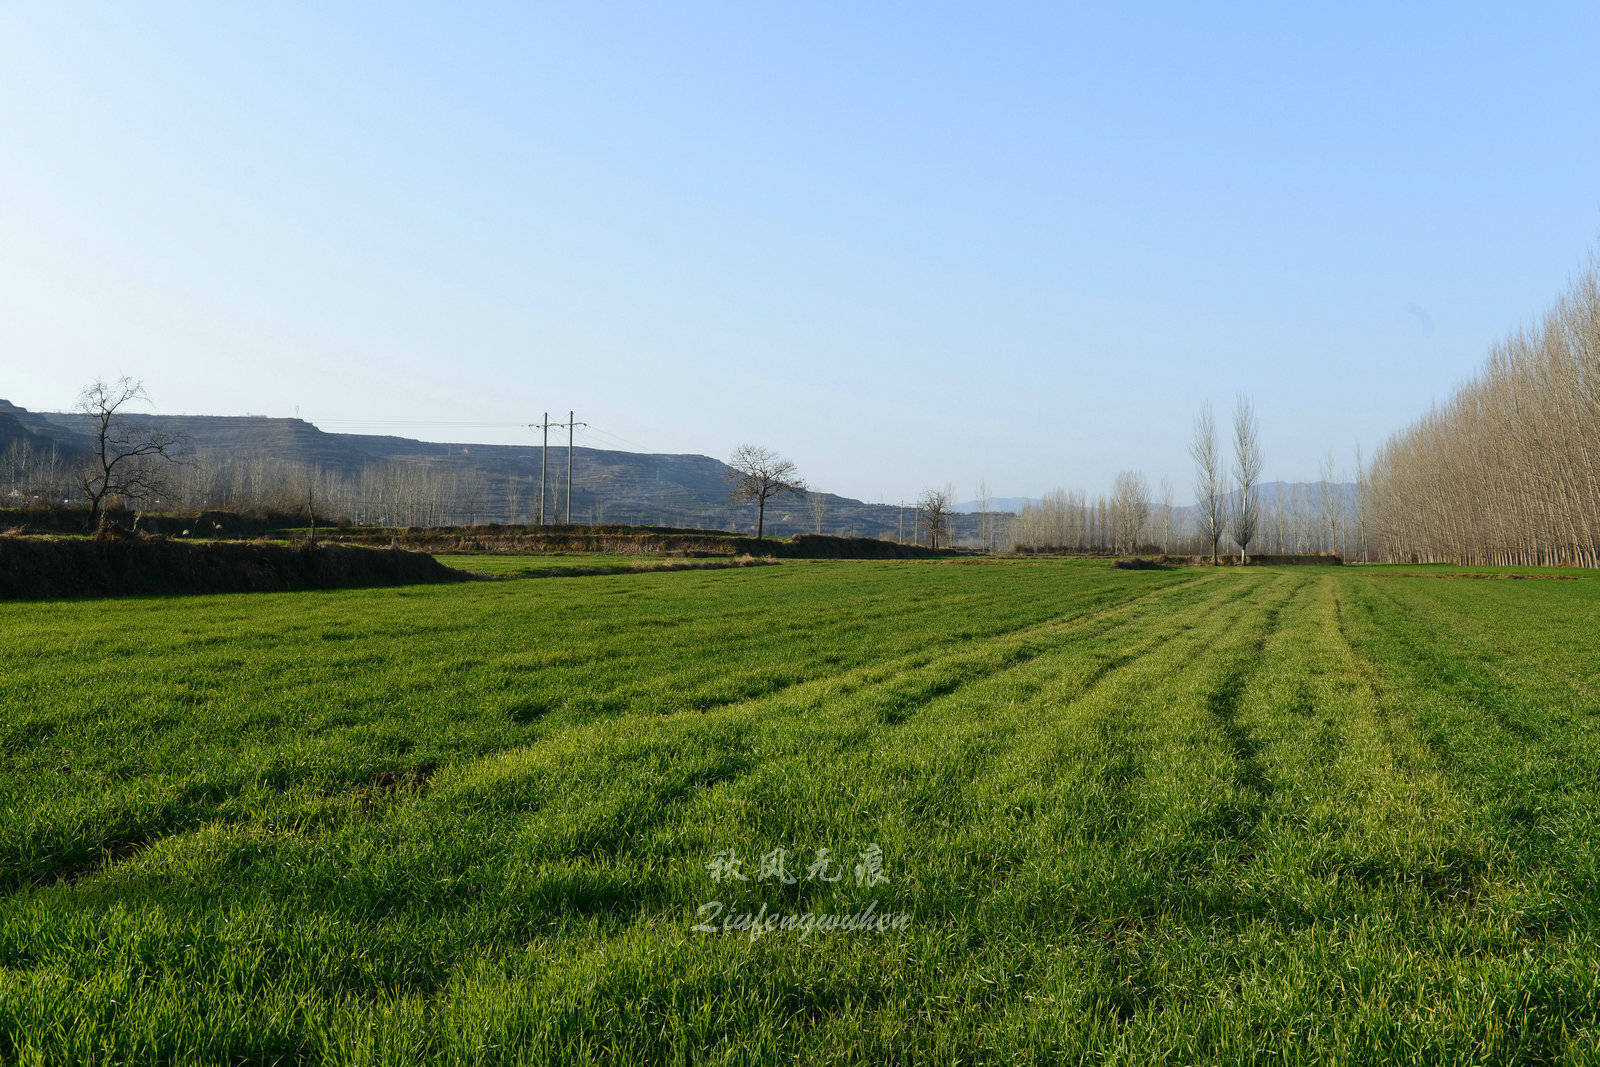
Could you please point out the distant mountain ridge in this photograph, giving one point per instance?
(660, 489)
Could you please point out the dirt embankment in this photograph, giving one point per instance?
(212, 525)
(625, 539)
(1264, 560)
(46, 567)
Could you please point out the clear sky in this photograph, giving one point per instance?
(905, 244)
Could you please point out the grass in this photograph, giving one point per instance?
(565, 564)
(520, 564)
(1166, 816)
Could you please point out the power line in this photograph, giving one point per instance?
(619, 439)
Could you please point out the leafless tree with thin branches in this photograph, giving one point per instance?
(935, 513)
(1363, 499)
(124, 464)
(818, 503)
(1165, 516)
(1330, 505)
(1130, 510)
(986, 523)
(1247, 465)
(1211, 501)
(33, 475)
(759, 474)
(1507, 469)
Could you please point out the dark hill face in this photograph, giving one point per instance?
(11, 430)
(21, 426)
(288, 440)
(502, 481)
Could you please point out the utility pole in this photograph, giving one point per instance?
(570, 425)
(544, 459)
(544, 452)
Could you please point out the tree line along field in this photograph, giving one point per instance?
(1240, 815)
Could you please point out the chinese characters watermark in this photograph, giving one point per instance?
(727, 866)
(783, 867)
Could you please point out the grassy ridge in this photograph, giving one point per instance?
(557, 565)
(1149, 816)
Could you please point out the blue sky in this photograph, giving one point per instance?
(905, 244)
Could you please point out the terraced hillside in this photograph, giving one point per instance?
(1241, 815)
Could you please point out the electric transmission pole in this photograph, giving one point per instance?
(544, 452)
(570, 425)
(544, 461)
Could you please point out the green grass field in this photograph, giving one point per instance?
(559, 564)
(1282, 815)
(533, 565)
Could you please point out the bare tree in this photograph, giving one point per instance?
(986, 526)
(1363, 492)
(759, 474)
(1210, 500)
(818, 503)
(125, 464)
(1061, 520)
(1130, 510)
(1507, 469)
(513, 498)
(1165, 517)
(935, 514)
(311, 476)
(16, 467)
(1247, 475)
(1329, 503)
(34, 476)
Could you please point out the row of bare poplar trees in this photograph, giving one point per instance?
(1307, 519)
(1227, 503)
(391, 493)
(394, 493)
(1507, 471)
(1229, 515)
(1125, 521)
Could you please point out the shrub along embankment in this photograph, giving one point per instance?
(196, 524)
(44, 567)
(639, 540)
(1226, 559)
(507, 566)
